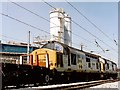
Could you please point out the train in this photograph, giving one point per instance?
(55, 63)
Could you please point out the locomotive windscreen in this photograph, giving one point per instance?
(54, 46)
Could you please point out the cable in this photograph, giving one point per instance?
(29, 11)
(93, 35)
(48, 4)
(28, 24)
(90, 33)
(31, 26)
(47, 19)
(24, 23)
(89, 20)
(12, 38)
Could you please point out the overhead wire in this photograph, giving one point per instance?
(47, 19)
(29, 11)
(48, 4)
(90, 21)
(93, 35)
(89, 32)
(25, 23)
(32, 26)
(11, 38)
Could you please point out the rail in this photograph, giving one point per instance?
(71, 86)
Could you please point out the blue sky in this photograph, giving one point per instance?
(102, 14)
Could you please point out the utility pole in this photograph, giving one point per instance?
(28, 48)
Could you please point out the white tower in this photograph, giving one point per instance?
(67, 30)
(60, 26)
(56, 25)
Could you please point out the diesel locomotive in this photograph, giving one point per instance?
(54, 63)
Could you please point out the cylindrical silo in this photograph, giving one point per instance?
(67, 30)
(57, 25)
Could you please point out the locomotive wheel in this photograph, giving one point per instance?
(46, 79)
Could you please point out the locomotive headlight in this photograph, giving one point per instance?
(51, 64)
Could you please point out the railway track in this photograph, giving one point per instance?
(71, 86)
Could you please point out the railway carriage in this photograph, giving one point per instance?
(69, 63)
(109, 68)
(56, 62)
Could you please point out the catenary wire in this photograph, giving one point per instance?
(29, 25)
(47, 19)
(89, 32)
(90, 21)
(32, 26)
(11, 38)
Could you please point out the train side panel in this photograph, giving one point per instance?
(40, 55)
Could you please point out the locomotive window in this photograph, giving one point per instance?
(81, 56)
(58, 47)
(89, 64)
(87, 59)
(93, 64)
(112, 67)
(59, 60)
(73, 59)
(25, 59)
(107, 66)
(49, 46)
(97, 65)
(78, 56)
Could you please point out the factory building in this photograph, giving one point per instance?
(10, 53)
(60, 26)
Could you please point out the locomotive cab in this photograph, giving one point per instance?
(60, 55)
(52, 55)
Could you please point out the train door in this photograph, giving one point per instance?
(79, 57)
(66, 57)
(59, 59)
(42, 60)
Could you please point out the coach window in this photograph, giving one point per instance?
(73, 59)
(107, 66)
(112, 67)
(59, 60)
(88, 60)
(97, 66)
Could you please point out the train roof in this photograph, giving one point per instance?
(86, 53)
(107, 60)
(66, 46)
